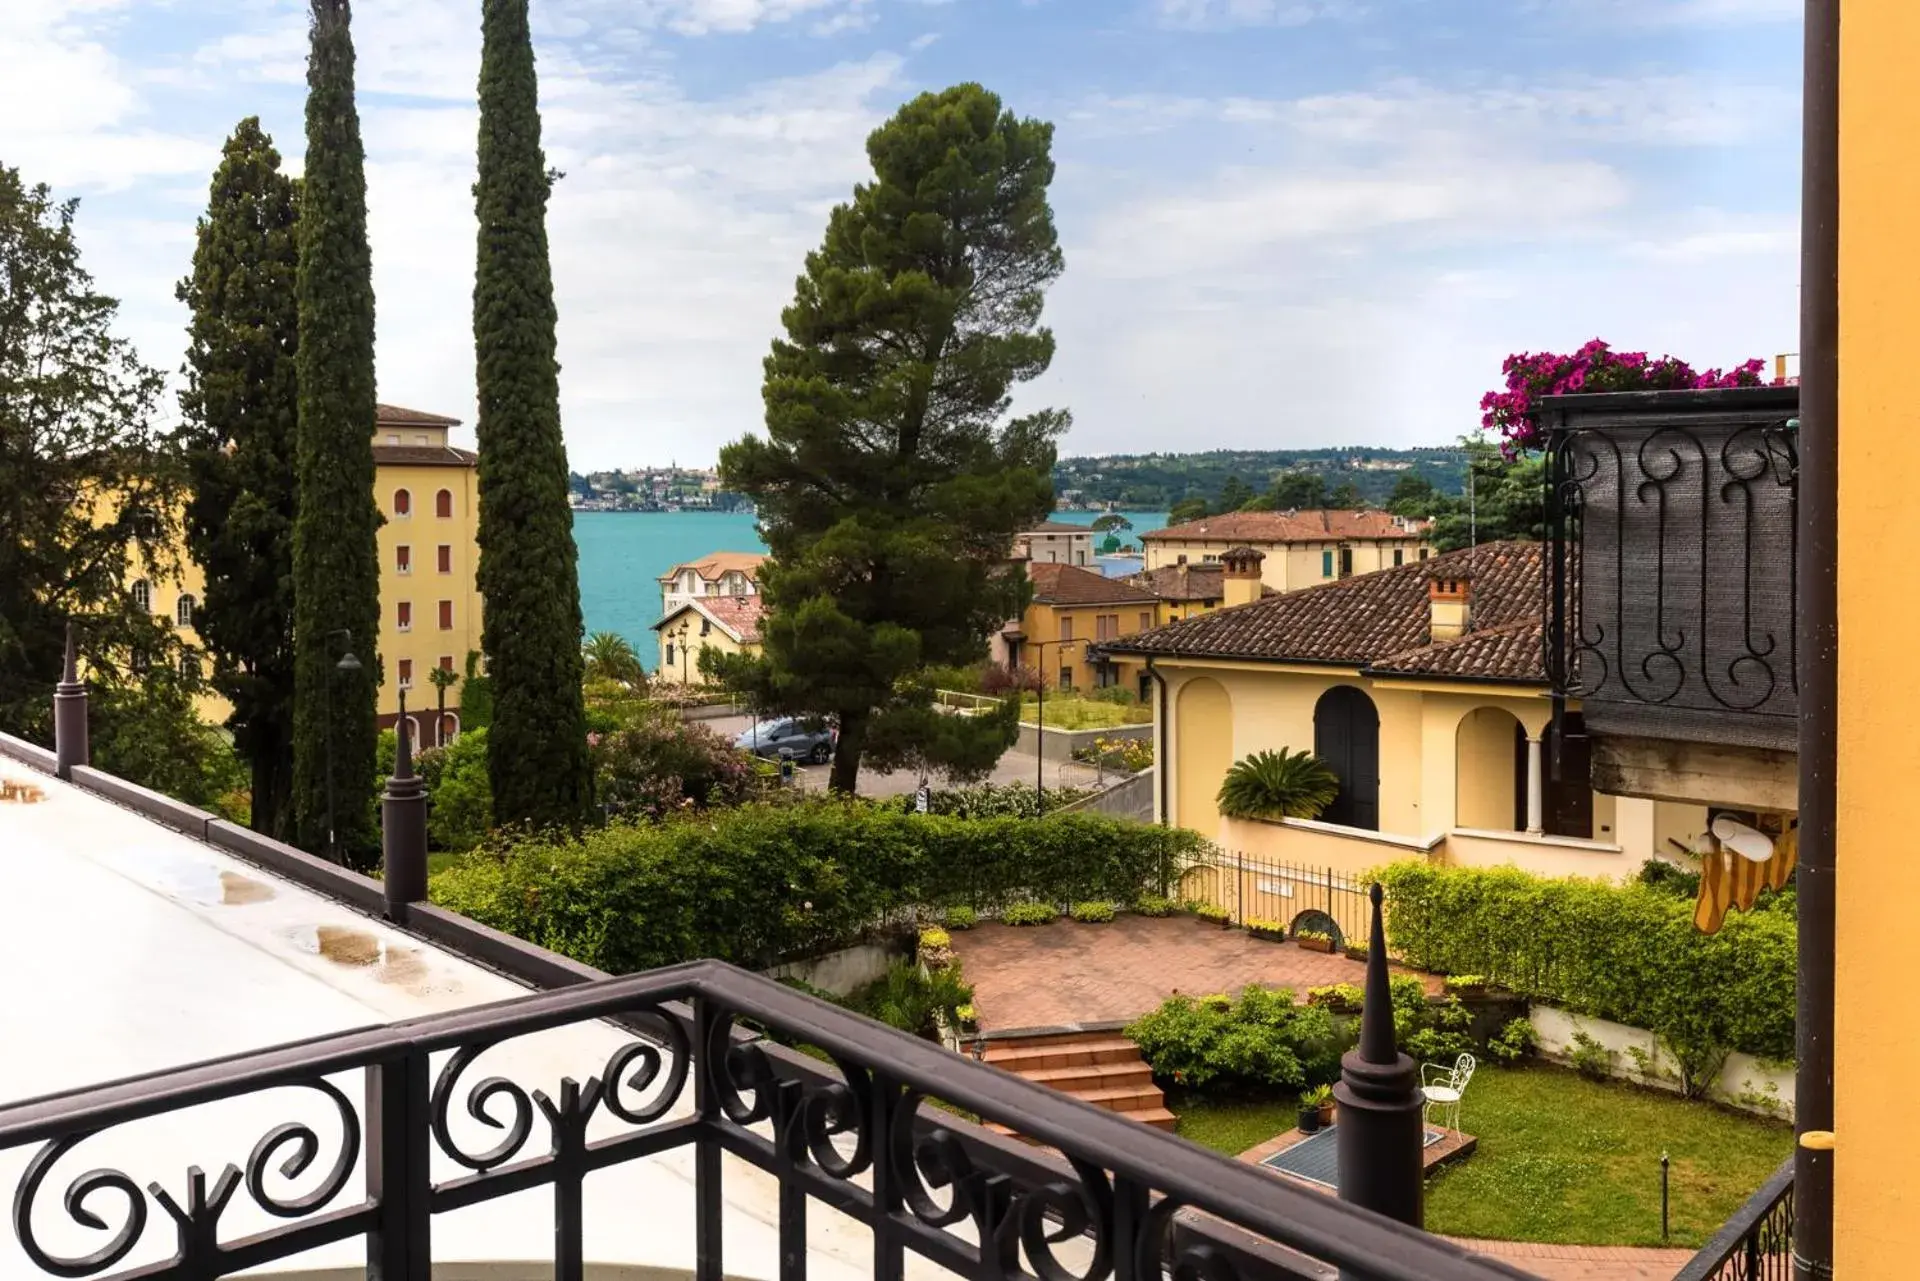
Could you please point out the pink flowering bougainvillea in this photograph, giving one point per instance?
(1532, 376)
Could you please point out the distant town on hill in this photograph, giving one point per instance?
(1155, 482)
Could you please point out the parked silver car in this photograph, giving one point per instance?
(789, 738)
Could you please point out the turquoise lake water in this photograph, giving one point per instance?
(623, 554)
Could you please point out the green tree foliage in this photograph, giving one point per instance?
(1111, 522)
(476, 694)
(83, 484)
(460, 799)
(1187, 509)
(1281, 784)
(1298, 491)
(1261, 1041)
(240, 413)
(888, 484)
(754, 883)
(1235, 494)
(1509, 501)
(1413, 495)
(529, 571)
(336, 567)
(610, 657)
(147, 732)
(1346, 497)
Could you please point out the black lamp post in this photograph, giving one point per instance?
(1040, 723)
(347, 664)
(680, 634)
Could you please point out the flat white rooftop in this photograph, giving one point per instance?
(126, 947)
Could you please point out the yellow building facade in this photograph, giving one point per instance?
(1074, 613)
(1440, 736)
(1301, 549)
(725, 624)
(430, 608)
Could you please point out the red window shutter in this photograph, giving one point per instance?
(446, 615)
(446, 558)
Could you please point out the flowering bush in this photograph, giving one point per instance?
(1595, 367)
(1129, 754)
(1093, 912)
(660, 764)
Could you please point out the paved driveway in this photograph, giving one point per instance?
(1067, 973)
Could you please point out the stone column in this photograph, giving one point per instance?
(69, 715)
(403, 826)
(1536, 787)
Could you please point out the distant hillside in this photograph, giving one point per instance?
(1155, 482)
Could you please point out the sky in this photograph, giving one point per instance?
(1286, 223)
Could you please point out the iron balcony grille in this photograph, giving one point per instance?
(1671, 580)
(1757, 1242)
(1127, 1202)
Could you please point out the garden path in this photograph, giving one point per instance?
(1068, 974)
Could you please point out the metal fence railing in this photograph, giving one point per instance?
(1757, 1242)
(1296, 895)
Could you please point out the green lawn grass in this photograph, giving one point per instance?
(1562, 1159)
(1064, 711)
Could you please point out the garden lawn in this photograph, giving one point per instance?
(1561, 1159)
(1068, 712)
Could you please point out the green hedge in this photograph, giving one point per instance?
(1628, 953)
(756, 883)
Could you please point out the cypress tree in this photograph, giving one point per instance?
(241, 410)
(537, 745)
(336, 568)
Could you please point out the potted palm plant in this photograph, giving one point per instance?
(1320, 1099)
(1276, 785)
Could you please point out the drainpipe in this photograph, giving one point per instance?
(1161, 736)
(1817, 638)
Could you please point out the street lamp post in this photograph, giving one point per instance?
(681, 635)
(1040, 723)
(347, 664)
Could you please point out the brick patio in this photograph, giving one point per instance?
(1068, 974)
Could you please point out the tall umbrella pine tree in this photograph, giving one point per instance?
(240, 410)
(537, 746)
(336, 567)
(890, 481)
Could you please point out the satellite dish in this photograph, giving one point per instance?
(1749, 843)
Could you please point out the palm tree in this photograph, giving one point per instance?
(610, 657)
(443, 679)
(1280, 784)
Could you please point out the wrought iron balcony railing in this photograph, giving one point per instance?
(1757, 1242)
(1121, 1200)
(1670, 594)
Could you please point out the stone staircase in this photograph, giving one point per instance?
(1101, 1068)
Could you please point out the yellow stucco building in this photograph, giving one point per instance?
(430, 610)
(1423, 687)
(1301, 548)
(727, 624)
(1073, 614)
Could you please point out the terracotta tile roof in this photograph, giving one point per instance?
(1057, 584)
(398, 415)
(1379, 619)
(423, 456)
(739, 616)
(1289, 527)
(1182, 582)
(714, 564)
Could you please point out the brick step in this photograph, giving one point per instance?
(1091, 1076)
(1078, 1053)
(1050, 1038)
(1123, 1098)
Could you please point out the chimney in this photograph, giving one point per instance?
(1449, 602)
(1240, 577)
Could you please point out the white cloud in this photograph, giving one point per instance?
(1678, 13)
(1215, 15)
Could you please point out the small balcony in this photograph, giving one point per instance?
(1671, 583)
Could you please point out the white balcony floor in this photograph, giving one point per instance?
(126, 947)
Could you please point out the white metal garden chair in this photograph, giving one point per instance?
(1444, 1087)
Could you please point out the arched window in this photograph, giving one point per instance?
(402, 503)
(443, 504)
(1346, 735)
(143, 596)
(183, 610)
(449, 728)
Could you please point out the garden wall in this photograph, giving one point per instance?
(851, 967)
(1129, 798)
(1745, 1082)
(1061, 744)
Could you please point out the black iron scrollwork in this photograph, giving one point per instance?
(197, 1219)
(1191, 1261)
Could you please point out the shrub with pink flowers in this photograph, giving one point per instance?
(1596, 367)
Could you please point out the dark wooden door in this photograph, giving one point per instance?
(1569, 799)
(1346, 735)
